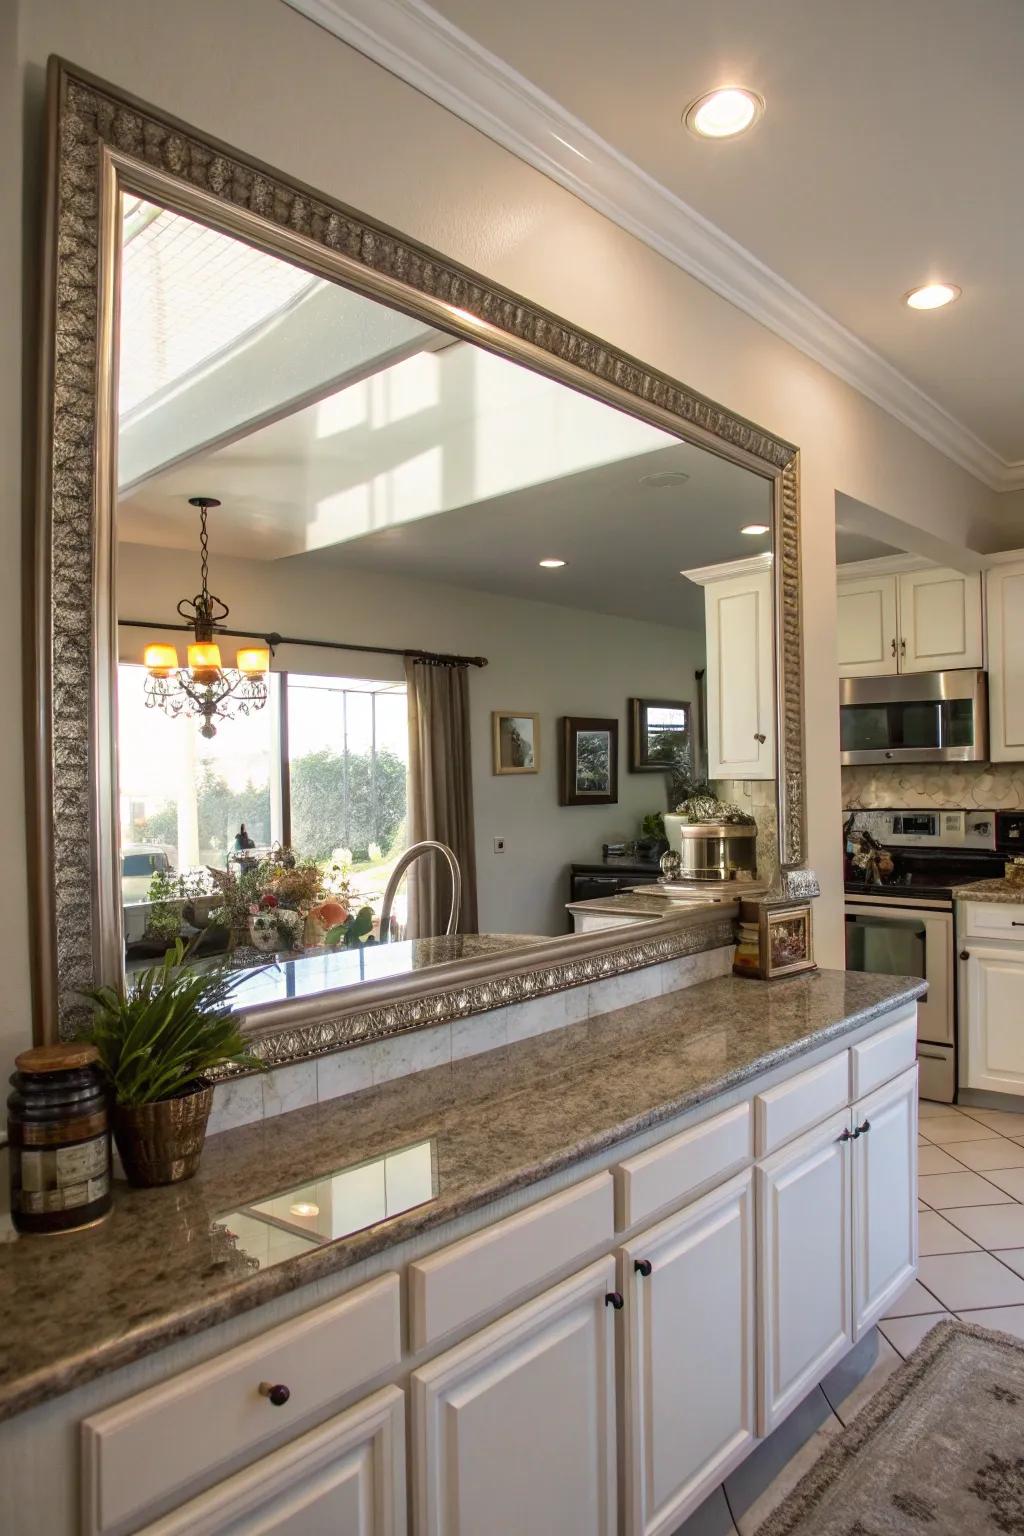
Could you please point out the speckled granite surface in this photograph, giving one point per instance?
(989, 890)
(639, 904)
(74, 1307)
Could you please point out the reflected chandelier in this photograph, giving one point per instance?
(204, 688)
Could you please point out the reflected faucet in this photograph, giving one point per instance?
(409, 857)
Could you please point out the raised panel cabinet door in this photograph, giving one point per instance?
(805, 1316)
(514, 1430)
(992, 984)
(740, 677)
(940, 620)
(867, 629)
(346, 1478)
(690, 1356)
(1005, 611)
(884, 1197)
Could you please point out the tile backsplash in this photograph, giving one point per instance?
(938, 786)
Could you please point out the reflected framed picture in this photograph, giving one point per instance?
(658, 728)
(516, 739)
(590, 761)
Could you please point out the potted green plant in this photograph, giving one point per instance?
(158, 1033)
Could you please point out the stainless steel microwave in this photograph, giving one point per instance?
(918, 717)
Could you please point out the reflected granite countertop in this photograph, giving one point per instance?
(990, 890)
(164, 1266)
(657, 904)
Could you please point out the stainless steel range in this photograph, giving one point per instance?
(899, 912)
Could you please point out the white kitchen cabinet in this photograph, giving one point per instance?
(884, 1152)
(992, 1023)
(867, 626)
(805, 1315)
(514, 1430)
(346, 1478)
(690, 1356)
(740, 677)
(1005, 607)
(940, 620)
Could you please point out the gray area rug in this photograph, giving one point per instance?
(938, 1452)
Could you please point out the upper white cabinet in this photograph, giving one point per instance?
(1006, 662)
(738, 613)
(910, 621)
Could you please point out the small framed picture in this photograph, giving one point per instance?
(658, 729)
(590, 761)
(516, 741)
(776, 938)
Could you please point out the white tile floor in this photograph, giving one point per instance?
(971, 1188)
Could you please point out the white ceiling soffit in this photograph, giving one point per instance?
(414, 42)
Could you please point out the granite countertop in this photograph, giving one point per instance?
(163, 1266)
(989, 890)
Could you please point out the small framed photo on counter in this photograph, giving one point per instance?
(776, 938)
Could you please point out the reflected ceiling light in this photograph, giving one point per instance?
(932, 296)
(566, 145)
(304, 1208)
(552, 564)
(205, 687)
(724, 113)
(755, 528)
(665, 478)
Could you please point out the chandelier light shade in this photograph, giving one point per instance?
(205, 689)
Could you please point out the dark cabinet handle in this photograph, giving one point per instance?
(862, 1128)
(893, 644)
(761, 737)
(614, 1299)
(965, 954)
(845, 1136)
(643, 1267)
(903, 647)
(277, 1392)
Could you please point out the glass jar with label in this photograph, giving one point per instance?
(59, 1140)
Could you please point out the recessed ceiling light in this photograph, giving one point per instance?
(724, 113)
(755, 528)
(665, 478)
(932, 296)
(305, 1208)
(551, 564)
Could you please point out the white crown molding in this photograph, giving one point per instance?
(411, 40)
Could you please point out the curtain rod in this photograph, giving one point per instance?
(273, 639)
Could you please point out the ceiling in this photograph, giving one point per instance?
(888, 156)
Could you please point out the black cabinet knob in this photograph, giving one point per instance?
(862, 1128)
(643, 1267)
(276, 1392)
(845, 1136)
(614, 1299)
(965, 954)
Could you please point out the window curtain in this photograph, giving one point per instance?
(440, 794)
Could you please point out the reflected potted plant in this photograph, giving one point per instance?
(158, 1033)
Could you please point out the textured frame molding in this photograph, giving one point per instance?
(102, 141)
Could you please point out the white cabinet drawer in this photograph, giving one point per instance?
(783, 1112)
(887, 1054)
(994, 920)
(174, 1436)
(675, 1168)
(471, 1277)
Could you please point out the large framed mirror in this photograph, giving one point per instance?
(338, 544)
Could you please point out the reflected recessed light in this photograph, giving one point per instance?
(552, 564)
(664, 478)
(724, 113)
(932, 296)
(755, 528)
(305, 1208)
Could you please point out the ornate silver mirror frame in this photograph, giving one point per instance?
(103, 142)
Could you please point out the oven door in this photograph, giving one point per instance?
(889, 939)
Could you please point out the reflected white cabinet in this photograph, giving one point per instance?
(804, 1304)
(1005, 591)
(992, 1024)
(346, 1478)
(514, 1429)
(884, 1198)
(690, 1356)
(926, 620)
(738, 615)
(867, 626)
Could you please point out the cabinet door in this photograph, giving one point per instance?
(884, 1197)
(940, 620)
(514, 1430)
(740, 677)
(804, 1306)
(992, 987)
(868, 641)
(346, 1478)
(689, 1356)
(1006, 663)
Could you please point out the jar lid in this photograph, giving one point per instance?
(57, 1058)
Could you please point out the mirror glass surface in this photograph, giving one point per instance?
(383, 487)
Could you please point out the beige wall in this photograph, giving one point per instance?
(257, 75)
(542, 659)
